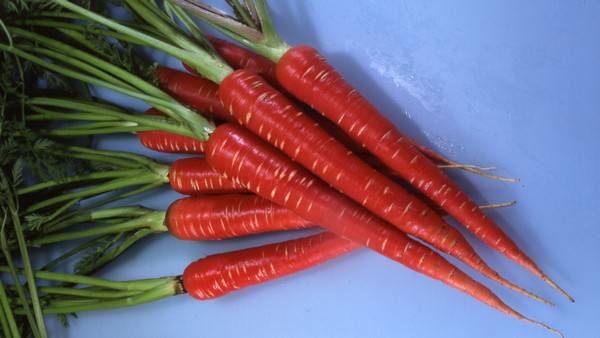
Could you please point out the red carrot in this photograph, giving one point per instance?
(241, 156)
(239, 57)
(272, 116)
(227, 216)
(303, 72)
(201, 94)
(242, 58)
(269, 114)
(310, 78)
(169, 142)
(193, 176)
(217, 275)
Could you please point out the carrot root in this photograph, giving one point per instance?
(498, 205)
(543, 325)
(481, 171)
(554, 285)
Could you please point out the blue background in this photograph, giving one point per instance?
(515, 84)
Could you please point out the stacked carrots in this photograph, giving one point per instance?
(287, 144)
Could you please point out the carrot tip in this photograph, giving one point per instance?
(499, 205)
(545, 326)
(481, 171)
(558, 288)
(523, 291)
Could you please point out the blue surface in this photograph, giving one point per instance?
(507, 83)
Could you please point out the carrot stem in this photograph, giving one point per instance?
(154, 220)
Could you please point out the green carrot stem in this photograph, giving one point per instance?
(75, 132)
(109, 256)
(148, 121)
(101, 78)
(50, 115)
(157, 20)
(9, 325)
(124, 194)
(133, 157)
(139, 284)
(198, 124)
(73, 16)
(87, 292)
(70, 56)
(102, 125)
(154, 221)
(81, 247)
(160, 104)
(76, 179)
(80, 38)
(116, 75)
(142, 178)
(13, 212)
(211, 67)
(82, 216)
(266, 40)
(26, 310)
(168, 289)
(89, 106)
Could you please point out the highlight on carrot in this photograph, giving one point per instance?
(303, 72)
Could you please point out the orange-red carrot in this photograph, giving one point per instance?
(193, 176)
(241, 58)
(197, 92)
(306, 74)
(169, 142)
(218, 275)
(271, 115)
(246, 160)
(227, 216)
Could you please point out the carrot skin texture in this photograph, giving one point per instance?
(239, 57)
(194, 176)
(217, 275)
(197, 92)
(227, 216)
(167, 142)
(273, 117)
(239, 155)
(306, 74)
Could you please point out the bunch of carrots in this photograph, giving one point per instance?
(278, 141)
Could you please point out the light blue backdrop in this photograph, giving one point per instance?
(515, 84)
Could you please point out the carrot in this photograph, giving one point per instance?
(163, 141)
(242, 58)
(227, 216)
(270, 115)
(244, 92)
(166, 142)
(194, 176)
(212, 68)
(305, 73)
(242, 157)
(191, 218)
(218, 275)
(201, 94)
(207, 278)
